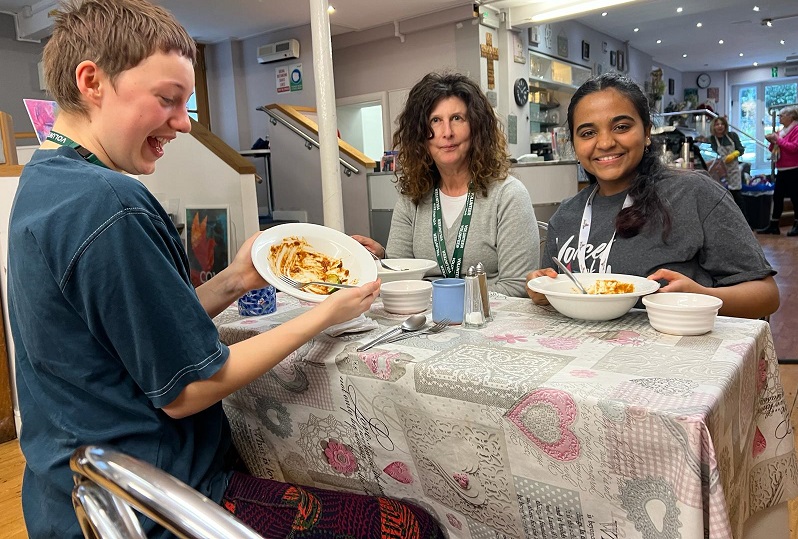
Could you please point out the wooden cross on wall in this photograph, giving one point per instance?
(491, 53)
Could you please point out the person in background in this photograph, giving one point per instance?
(113, 344)
(638, 217)
(784, 145)
(725, 143)
(458, 204)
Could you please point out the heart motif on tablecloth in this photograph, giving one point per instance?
(760, 444)
(545, 417)
(399, 471)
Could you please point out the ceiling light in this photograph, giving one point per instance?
(741, 55)
(756, 64)
(720, 42)
(330, 9)
(756, 8)
(767, 22)
(659, 41)
(603, 13)
(637, 29)
(574, 9)
(698, 25)
(781, 42)
(684, 55)
(678, 10)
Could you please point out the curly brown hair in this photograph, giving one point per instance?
(488, 156)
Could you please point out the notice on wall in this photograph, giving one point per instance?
(281, 74)
(295, 81)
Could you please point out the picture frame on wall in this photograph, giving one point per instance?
(620, 60)
(585, 50)
(207, 241)
(534, 36)
(562, 45)
(671, 86)
(519, 54)
(612, 58)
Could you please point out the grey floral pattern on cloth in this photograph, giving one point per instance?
(636, 498)
(247, 433)
(491, 375)
(773, 480)
(664, 361)
(463, 465)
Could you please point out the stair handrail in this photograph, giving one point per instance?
(309, 141)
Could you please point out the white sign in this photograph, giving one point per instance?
(282, 74)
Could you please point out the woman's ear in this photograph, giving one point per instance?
(90, 80)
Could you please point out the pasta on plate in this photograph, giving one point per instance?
(296, 258)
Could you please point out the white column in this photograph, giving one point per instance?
(332, 202)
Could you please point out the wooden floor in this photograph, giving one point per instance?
(781, 251)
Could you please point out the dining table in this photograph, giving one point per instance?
(533, 426)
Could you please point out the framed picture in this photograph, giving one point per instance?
(534, 36)
(207, 241)
(562, 46)
(519, 54)
(585, 50)
(612, 58)
(620, 59)
(713, 92)
(671, 86)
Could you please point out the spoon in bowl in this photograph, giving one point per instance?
(413, 323)
(569, 274)
(383, 264)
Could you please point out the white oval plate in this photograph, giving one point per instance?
(326, 240)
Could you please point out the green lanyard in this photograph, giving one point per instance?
(450, 268)
(58, 138)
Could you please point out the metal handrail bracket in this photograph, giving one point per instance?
(309, 141)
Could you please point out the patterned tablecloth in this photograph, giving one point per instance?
(534, 426)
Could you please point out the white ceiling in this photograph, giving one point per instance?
(734, 21)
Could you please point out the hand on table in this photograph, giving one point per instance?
(676, 282)
(374, 247)
(537, 298)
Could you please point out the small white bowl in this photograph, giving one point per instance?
(413, 269)
(406, 297)
(682, 313)
(563, 295)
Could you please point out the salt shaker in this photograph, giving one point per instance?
(483, 290)
(473, 317)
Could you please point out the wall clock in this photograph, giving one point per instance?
(703, 80)
(521, 92)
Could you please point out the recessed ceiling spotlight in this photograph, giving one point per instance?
(767, 22)
(698, 25)
(741, 55)
(330, 9)
(720, 42)
(756, 8)
(756, 64)
(684, 55)
(637, 29)
(603, 13)
(678, 10)
(781, 42)
(659, 41)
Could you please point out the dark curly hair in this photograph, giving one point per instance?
(488, 156)
(647, 202)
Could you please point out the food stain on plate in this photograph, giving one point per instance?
(297, 259)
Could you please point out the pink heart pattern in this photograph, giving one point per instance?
(759, 443)
(399, 471)
(545, 417)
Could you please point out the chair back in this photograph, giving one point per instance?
(110, 484)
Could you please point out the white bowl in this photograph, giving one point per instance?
(682, 313)
(406, 297)
(413, 269)
(564, 296)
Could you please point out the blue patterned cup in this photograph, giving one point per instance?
(258, 302)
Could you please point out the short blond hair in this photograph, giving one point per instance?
(115, 34)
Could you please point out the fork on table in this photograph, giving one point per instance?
(296, 284)
(437, 327)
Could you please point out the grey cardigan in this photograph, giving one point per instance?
(503, 235)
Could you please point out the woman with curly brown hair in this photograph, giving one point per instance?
(459, 206)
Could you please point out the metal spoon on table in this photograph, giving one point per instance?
(413, 323)
(569, 274)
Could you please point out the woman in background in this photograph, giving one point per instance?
(725, 143)
(784, 145)
(459, 206)
(638, 217)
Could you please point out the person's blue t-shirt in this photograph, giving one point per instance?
(107, 330)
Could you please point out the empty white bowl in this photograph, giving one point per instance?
(564, 296)
(412, 269)
(406, 297)
(682, 313)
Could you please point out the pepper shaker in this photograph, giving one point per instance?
(473, 317)
(483, 290)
